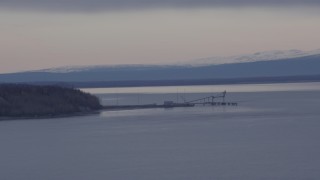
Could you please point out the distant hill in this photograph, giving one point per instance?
(258, 56)
(44, 101)
(306, 66)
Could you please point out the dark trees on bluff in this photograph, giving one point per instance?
(28, 100)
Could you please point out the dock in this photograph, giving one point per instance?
(205, 101)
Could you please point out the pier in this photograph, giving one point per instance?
(205, 101)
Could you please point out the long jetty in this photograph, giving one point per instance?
(209, 100)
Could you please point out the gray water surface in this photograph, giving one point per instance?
(270, 135)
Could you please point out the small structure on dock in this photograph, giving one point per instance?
(168, 103)
(172, 104)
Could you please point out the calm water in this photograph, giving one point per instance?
(272, 134)
(210, 88)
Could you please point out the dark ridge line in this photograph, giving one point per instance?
(183, 82)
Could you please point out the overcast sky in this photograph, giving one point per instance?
(100, 5)
(36, 34)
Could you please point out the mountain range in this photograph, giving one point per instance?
(258, 56)
(275, 65)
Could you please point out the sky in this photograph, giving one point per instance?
(38, 34)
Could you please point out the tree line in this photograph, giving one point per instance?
(21, 100)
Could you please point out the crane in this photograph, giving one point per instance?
(208, 99)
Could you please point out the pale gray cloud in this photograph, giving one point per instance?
(100, 5)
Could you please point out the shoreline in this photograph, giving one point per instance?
(176, 82)
(76, 114)
(190, 82)
(112, 108)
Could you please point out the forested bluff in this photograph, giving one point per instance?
(20, 100)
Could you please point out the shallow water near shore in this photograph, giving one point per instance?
(272, 134)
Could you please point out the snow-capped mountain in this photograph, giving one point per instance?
(259, 56)
(65, 69)
(258, 65)
(70, 69)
